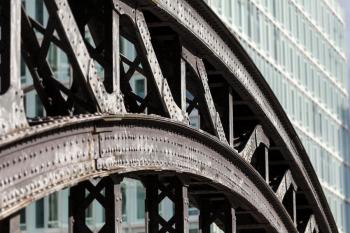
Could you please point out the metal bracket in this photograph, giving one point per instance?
(257, 138)
(285, 184)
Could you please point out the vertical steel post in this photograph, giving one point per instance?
(230, 220)
(151, 205)
(76, 212)
(113, 205)
(11, 224)
(266, 155)
(12, 115)
(230, 116)
(294, 206)
(204, 217)
(181, 207)
(183, 85)
(112, 59)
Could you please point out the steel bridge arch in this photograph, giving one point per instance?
(127, 145)
(206, 52)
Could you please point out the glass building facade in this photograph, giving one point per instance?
(299, 47)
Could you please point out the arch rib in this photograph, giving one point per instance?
(120, 145)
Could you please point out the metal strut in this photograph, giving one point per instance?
(156, 191)
(82, 195)
(219, 212)
(12, 114)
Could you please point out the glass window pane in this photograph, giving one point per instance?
(140, 202)
(39, 213)
(53, 210)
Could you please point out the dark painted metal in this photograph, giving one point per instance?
(183, 50)
(11, 224)
(174, 189)
(82, 196)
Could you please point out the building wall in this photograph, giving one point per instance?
(299, 47)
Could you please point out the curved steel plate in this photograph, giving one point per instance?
(60, 157)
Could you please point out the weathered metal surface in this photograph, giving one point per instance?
(69, 31)
(62, 151)
(198, 67)
(256, 139)
(12, 115)
(161, 83)
(286, 183)
(88, 150)
(176, 191)
(81, 197)
(201, 30)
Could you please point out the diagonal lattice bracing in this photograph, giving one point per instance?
(177, 192)
(80, 57)
(82, 195)
(146, 48)
(204, 95)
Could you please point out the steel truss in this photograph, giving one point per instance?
(243, 167)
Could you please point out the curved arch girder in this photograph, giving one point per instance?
(199, 27)
(56, 159)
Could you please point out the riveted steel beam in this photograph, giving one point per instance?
(69, 32)
(256, 138)
(212, 211)
(168, 47)
(287, 190)
(198, 67)
(106, 145)
(231, 135)
(12, 115)
(160, 82)
(43, 77)
(81, 197)
(212, 37)
(92, 146)
(286, 182)
(156, 191)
